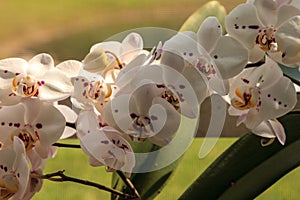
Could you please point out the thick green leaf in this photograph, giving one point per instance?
(266, 174)
(292, 73)
(243, 156)
(212, 8)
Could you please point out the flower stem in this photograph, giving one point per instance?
(129, 184)
(64, 178)
(74, 146)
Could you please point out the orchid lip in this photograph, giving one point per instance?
(266, 39)
(28, 138)
(25, 86)
(245, 100)
(98, 91)
(141, 127)
(9, 184)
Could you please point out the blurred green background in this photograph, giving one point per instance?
(67, 29)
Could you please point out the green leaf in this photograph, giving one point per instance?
(291, 72)
(248, 187)
(212, 8)
(244, 156)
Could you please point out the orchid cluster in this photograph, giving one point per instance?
(122, 93)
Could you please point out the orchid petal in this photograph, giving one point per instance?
(57, 86)
(218, 85)
(117, 112)
(165, 119)
(264, 129)
(131, 46)
(113, 135)
(68, 113)
(40, 64)
(189, 87)
(285, 13)
(68, 132)
(209, 33)
(278, 130)
(279, 98)
(70, 68)
(11, 118)
(100, 147)
(295, 3)
(198, 83)
(243, 24)
(112, 46)
(142, 97)
(256, 54)
(269, 72)
(32, 109)
(79, 98)
(267, 11)
(7, 97)
(183, 44)
(131, 67)
(270, 129)
(10, 67)
(288, 39)
(48, 128)
(21, 167)
(230, 56)
(86, 123)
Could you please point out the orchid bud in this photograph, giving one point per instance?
(95, 61)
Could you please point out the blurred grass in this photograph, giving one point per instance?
(75, 164)
(66, 29)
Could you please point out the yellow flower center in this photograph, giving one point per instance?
(25, 86)
(98, 92)
(245, 100)
(266, 39)
(9, 185)
(29, 139)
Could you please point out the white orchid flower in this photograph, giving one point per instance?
(37, 124)
(271, 26)
(261, 94)
(214, 56)
(104, 146)
(14, 171)
(91, 90)
(146, 113)
(37, 78)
